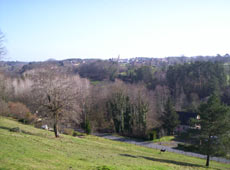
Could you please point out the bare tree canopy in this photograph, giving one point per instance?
(2, 49)
(58, 96)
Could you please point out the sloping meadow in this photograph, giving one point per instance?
(32, 148)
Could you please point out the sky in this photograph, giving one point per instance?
(37, 30)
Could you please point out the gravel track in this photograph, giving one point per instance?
(157, 146)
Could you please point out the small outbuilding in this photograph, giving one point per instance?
(185, 118)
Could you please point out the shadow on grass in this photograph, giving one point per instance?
(131, 156)
(28, 133)
(165, 161)
(22, 131)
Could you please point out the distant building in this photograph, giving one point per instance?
(185, 118)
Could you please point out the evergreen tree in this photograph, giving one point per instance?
(215, 127)
(116, 107)
(129, 117)
(142, 109)
(170, 118)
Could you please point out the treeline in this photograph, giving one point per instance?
(190, 81)
(69, 101)
(98, 70)
(136, 99)
(110, 97)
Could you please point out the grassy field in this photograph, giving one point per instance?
(164, 139)
(38, 149)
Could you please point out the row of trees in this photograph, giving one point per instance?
(189, 84)
(71, 101)
(134, 109)
(116, 100)
(128, 114)
(126, 109)
(99, 70)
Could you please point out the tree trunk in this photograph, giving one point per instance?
(209, 147)
(207, 161)
(56, 130)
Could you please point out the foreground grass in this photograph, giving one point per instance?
(38, 149)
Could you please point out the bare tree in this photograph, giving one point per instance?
(57, 96)
(131, 108)
(97, 107)
(2, 49)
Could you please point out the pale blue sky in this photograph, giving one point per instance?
(42, 29)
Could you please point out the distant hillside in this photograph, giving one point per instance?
(17, 67)
(188, 80)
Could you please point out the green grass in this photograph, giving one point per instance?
(38, 149)
(164, 139)
(95, 82)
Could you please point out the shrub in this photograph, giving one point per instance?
(76, 133)
(4, 109)
(15, 129)
(87, 127)
(21, 112)
(68, 131)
